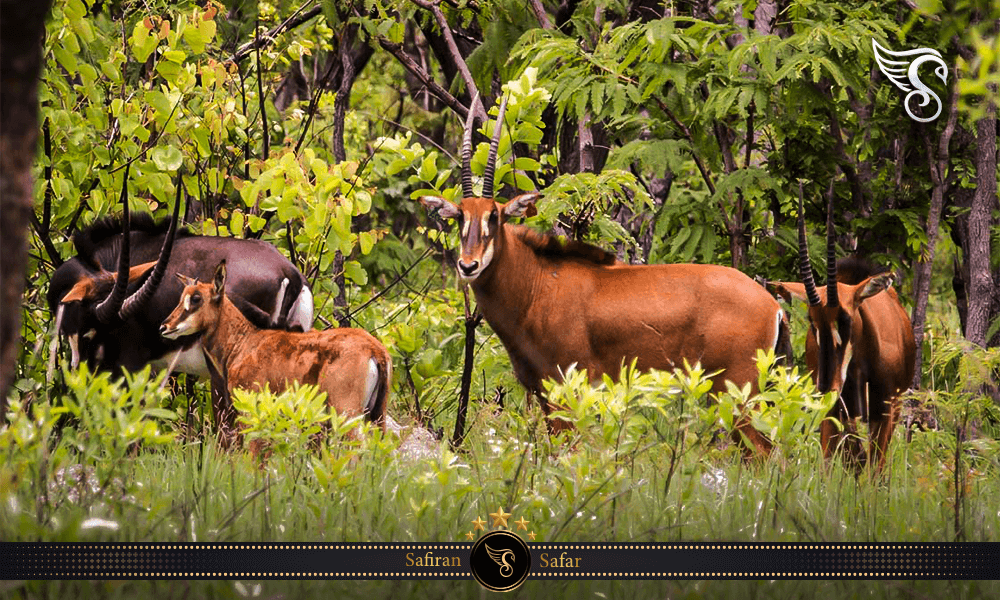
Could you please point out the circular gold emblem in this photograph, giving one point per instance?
(500, 561)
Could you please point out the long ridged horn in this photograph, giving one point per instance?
(831, 253)
(470, 124)
(491, 159)
(805, 267)
(141, 296)
(110, 305)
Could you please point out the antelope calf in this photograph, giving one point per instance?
(351, 366)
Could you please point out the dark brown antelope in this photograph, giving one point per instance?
(554, 303)
(112, 330)
(351, 366)
(860, 345)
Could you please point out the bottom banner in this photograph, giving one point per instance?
(500, 560)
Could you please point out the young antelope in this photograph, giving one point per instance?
(350, 365)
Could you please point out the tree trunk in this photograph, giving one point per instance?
(938, 165)
(981, 289)
(21, 34)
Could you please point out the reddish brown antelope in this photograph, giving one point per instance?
(860, 344)
(351, 366)
(555, 303)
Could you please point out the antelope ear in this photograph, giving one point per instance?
(443, 207)
(138, 271)
(873, 285)
(219, 282)
(186, 280)
(522, 206)
(81, 290)
(787, 290)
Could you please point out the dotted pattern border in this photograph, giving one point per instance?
(936, 560)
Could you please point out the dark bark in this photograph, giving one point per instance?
(21, 34)
(938, 164)
(353, 59)
(472, 320)
(981, 289)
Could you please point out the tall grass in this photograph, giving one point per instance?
(648, 460)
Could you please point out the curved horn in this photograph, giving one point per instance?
(110, 305)
(470, 123)
(805, 267)
(831, 253)
(141, 296)
(491, 159)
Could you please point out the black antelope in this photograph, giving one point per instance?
(112, 330)
(351, 366)
(554, 303)
(860, 344)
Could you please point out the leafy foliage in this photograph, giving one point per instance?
(729, 116)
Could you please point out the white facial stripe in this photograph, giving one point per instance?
(187, 302)
(467, 222)
(487, 256)
(486, 225)
(836, 334)
(847, 361)
(74, 348)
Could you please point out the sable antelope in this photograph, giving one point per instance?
(351, 366)
(860, 343)
(555, 303)
(112, 329)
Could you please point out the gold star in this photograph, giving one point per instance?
(500, 518)
(532, 536)
(469, 535)
(479, 524)
(522, 524)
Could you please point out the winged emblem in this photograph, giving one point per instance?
(904, 74)
(500, 558)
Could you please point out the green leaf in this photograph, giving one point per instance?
(366, 241)
(167, 158)
(236, 222)
(355, 272)
(143, 41)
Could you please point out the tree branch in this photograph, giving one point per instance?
(705, 174)
(297, 18)
(417, 71)
(456, 55)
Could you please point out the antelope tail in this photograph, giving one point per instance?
(377, 387)
(783, 341)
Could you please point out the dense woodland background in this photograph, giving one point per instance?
(668, 131)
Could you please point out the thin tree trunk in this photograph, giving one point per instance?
(472, 320)
(21, 34)
(981, 281)
(938, 164)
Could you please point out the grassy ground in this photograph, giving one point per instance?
(88, 459)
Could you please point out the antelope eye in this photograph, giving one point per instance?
(195, 299)
(493, 216)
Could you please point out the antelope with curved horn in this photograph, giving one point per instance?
(350, 365)
(554, 303)
(860, 344)
(113, 330)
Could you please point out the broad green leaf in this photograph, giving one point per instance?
(167, 158)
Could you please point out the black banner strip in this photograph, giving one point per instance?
(451, 561)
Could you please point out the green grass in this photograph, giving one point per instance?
(648, 461)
